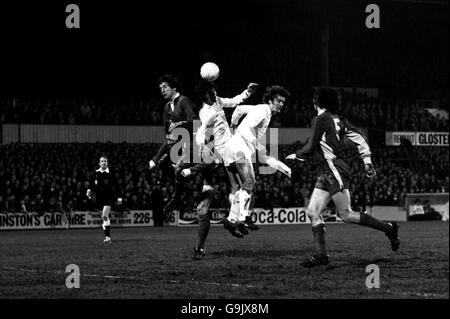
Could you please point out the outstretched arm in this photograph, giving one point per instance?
(238, 99)
(240, 111)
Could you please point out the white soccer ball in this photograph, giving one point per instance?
(209, 71)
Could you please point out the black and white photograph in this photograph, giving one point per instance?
(223, 155)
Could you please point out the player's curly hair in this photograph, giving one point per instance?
(171, 80)
(272, 91)
(328, 98)
(203, 88)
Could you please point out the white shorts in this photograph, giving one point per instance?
(236, 148)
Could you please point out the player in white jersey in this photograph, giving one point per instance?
(245, 142)
(212, 116)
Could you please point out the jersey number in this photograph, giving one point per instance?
(337, 124)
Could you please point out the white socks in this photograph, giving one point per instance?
(234, 209)
(244, 204)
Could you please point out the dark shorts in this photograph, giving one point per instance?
(104, 201)
(328, 180)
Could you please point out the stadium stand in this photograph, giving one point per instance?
(365, 111)
(39, 177)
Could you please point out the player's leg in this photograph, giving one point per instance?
(346, 213)
(160, 155)
(229, 223)
(319, 200)
(235, 185)
(247, 175)
(204, 218)
(180, 181)
(106, 223)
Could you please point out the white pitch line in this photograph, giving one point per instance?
(135, 278)
(418, 294)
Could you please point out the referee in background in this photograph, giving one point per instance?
(106, 189)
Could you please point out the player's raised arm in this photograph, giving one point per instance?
(238, 99)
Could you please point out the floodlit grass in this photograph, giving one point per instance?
(157, 263)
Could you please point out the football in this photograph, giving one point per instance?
(209, 71)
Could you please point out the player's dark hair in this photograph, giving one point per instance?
(103, 156)
(273, 91)
(171, 80)
(202, 89)
(327, 98)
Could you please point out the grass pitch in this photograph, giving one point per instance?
(157, 263)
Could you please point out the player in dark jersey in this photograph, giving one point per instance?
(326, 141)
(178, 112)
(106, 189)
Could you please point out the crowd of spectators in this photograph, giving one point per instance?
(365, 111)
(55, 177)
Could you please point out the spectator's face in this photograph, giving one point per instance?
(166, 91)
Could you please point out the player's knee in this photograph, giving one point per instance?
(313, 213)
(234, 188)
(203, 214)
(345, 215)
(248, 185)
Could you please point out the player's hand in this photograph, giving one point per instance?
(286, 170)
(291, 157)
(89, 194)
(251, 88)
(119, 201)
(186, 172)
(294, 157)
(370, 170)
(173, 125)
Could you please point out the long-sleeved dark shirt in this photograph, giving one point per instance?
(327, 139)
(182, 111)
(105, 185)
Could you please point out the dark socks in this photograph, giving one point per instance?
(178, 192)
(107, 234)
(319, 238)
(369, 221)
(204, 222)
